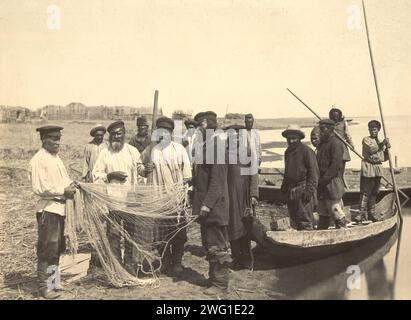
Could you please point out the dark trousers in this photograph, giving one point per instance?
(370, 186)
(301, 214)
(50, 244)
(173, 250)
(216, 242)
(121, 220)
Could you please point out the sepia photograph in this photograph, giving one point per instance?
(193, 150)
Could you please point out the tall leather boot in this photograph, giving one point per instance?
(42, 277)
(323, 223)
(363, 208)
(177, 252)
(247, 258)
(219, 281)
(235, 254)
(372, 200)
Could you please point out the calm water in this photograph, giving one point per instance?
(398, 128)
(327, 279)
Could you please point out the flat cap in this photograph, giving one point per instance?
(115, 125)
(164, 122)
(190, 122)
(327, 122)
(249, 115)
(98, 127)
(49, 130)
(374, 124)
(199, 116)
(142, 121)
(211, 116)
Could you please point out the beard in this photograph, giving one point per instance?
(116, 145)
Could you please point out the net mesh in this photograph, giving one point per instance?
(128, 227)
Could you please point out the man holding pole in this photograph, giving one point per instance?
(330, 185)
(375, 152)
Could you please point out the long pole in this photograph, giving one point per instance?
(343, 140)
(155, 111)
(381, 111)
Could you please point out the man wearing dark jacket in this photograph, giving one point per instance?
(330, 185)
(211, 203)
(142, 139)
(300, 179)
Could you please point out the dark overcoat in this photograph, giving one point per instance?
(210, 188)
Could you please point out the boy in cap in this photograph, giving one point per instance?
(92, 150)
(142, 139)
(330, 184)
(167, 164)
(50, 181)
(300, 179)
(375, 152)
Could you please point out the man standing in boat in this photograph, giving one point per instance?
(375, 152)
(300, 179)
(330, 157)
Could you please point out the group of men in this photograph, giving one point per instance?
(222, 197)
(224, 193)
(314, 179)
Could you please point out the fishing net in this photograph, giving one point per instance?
(128, 227)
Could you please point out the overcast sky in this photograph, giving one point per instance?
(207, 54)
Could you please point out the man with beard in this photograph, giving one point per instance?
(375, 152)
(330, 185)
(50, 181)
(118, 164)
(300, 179)
(211, 203)
(167, 164)
(142, 139)
(253, 139)
(243, 196)
(92, 150)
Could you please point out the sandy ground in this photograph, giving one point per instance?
(18, 259)
(17, 254)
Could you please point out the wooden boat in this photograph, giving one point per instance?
(273, 194)
(312, 245)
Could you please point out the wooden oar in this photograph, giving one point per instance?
(345, 142)
(381, 112)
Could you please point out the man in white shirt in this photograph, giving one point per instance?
(168, 164)
(119, 164)
(52, 184)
